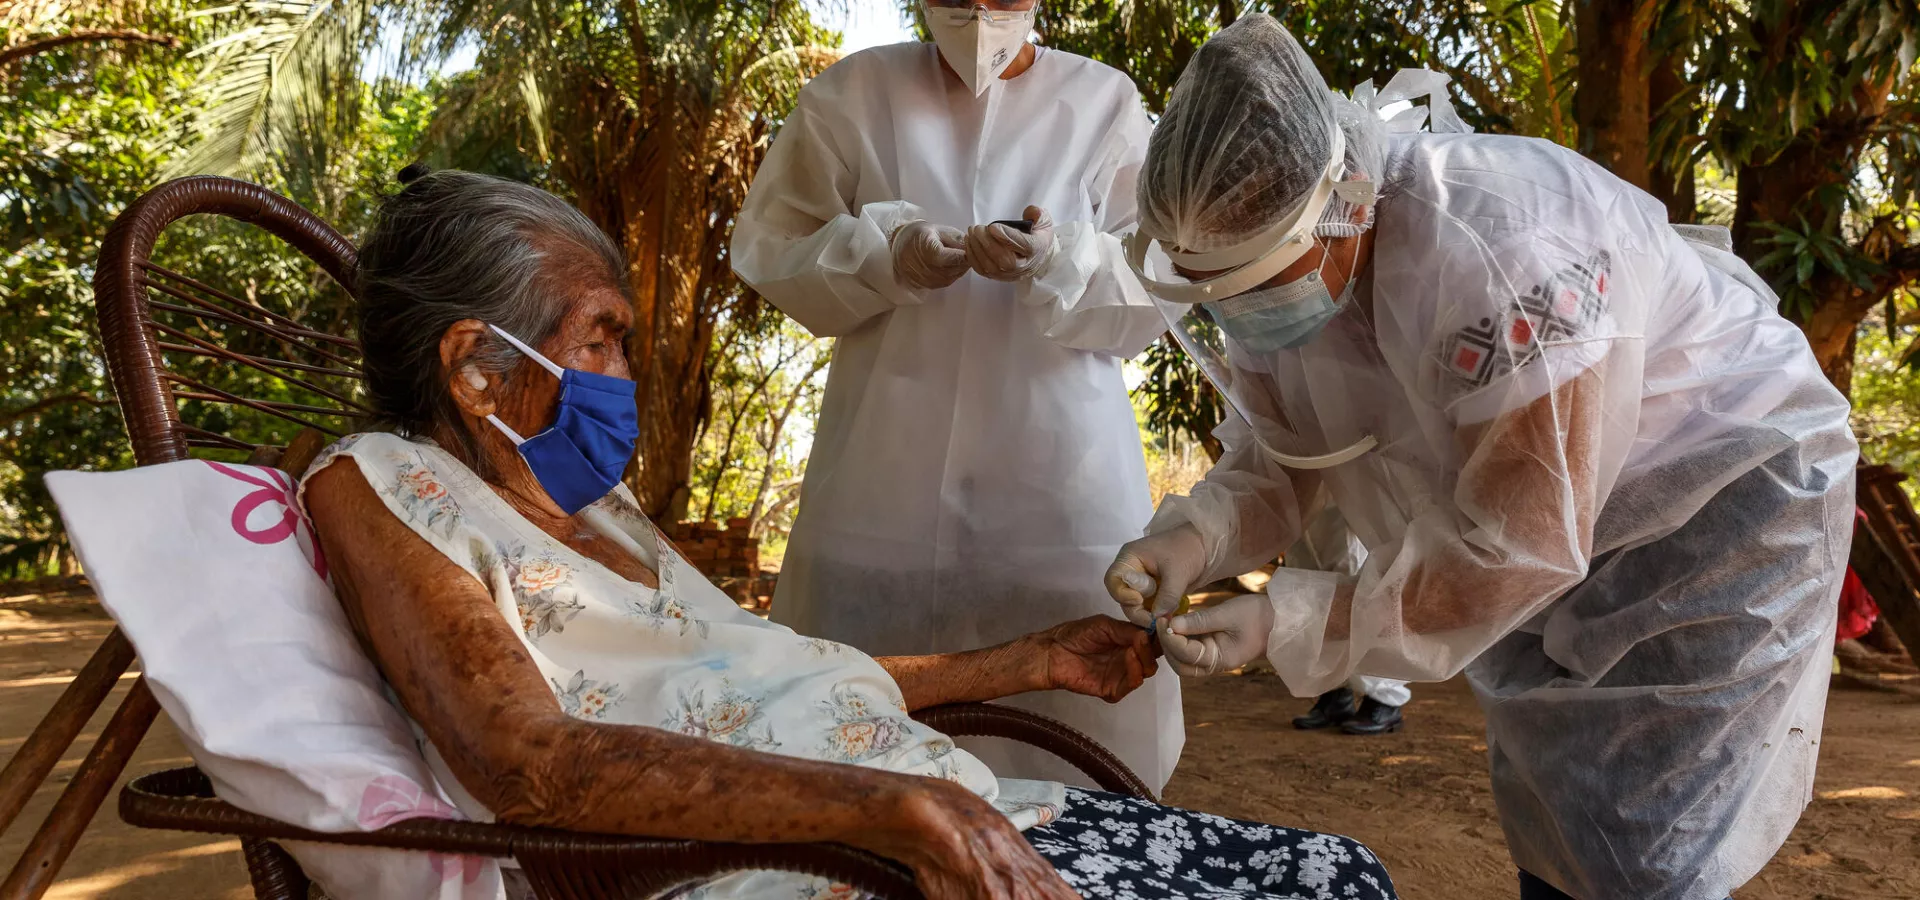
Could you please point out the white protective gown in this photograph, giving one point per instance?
(1328, 544)
(977, 463)
(1611, 483)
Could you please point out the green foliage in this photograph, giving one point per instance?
(1821, 98)
(1797, 253)
(765, 394)
(1886, 403)
(108, 125)
(280, 88)
(1490, 49)
(1175, 399)
(80, 136)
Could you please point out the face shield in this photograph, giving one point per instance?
(1234, 327)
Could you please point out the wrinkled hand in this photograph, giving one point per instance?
(1219, 638)
(1003, 254)
(929, 256)
(1151, 574)
(1096, 656)
(961, 848)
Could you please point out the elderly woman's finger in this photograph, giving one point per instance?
(1147, 650)
(1131, 681)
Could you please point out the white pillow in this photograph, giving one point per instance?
(214, 574)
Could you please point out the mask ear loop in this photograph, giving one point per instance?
(512, 435)
(534, 355)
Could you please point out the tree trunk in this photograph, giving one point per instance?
(1839, 369)
(1610, 102)
(1670, 176)
(670, 395)
(1226, 12)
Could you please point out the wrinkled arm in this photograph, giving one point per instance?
(975, 676)
(1097, 656)
(800, 242)
(1088, 298)
(460, 671)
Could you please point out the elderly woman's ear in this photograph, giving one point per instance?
(470, 388)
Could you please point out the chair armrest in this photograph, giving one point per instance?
(1035, 730)
(560, 864)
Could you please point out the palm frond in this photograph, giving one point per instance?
(274, 84)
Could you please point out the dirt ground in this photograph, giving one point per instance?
(1419, 798)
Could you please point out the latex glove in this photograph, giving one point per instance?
(1004, 254)
(928, 256)
(1152, 574)
(1219, 638)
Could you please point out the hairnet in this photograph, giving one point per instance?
(1246, 138)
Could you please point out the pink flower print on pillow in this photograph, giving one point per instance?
(396, 798)
(276, 488)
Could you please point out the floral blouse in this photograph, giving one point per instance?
(683, 658)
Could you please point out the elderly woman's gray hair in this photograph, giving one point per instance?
(454, 245)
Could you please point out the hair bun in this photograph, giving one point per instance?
(412, 173)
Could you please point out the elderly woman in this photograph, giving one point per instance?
(567, 668)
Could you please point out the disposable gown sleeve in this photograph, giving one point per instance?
(1087, 298)
(1538, 442)
(1326, 542)
(800, 241)
(1247, 510)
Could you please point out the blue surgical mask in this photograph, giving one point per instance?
(1275, 318)
(581, 456)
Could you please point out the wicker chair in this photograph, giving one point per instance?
(170, 340)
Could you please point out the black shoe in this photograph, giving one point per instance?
(1374, 717)
(1332, 708)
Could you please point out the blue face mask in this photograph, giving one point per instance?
(1275, 318)
(579, 458)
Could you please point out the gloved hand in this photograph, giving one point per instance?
(1003, 254)
(1151, 574)
(928, 256)
(1219, 638)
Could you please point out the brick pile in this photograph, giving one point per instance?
(729, 556)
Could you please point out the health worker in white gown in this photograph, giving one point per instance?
(977, 463)
(1592, 465)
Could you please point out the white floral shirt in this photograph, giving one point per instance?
(682, 658)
